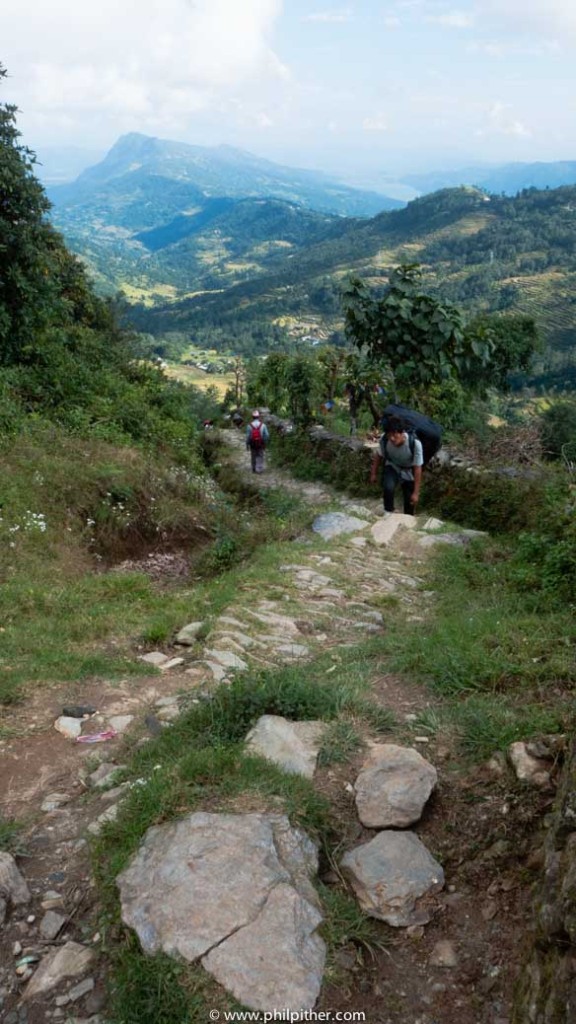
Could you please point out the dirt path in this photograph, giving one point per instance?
(470, 823)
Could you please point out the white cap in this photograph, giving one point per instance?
(255, 415)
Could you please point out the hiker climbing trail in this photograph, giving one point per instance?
(450, 940)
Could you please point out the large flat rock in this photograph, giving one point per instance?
(236, 890)
(278, 960)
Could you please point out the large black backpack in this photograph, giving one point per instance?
(426, 430)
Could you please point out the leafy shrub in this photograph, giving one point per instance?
(493, 501)
(558, 428)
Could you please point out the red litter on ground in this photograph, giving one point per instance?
(97, 737)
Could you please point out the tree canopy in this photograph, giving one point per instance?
(422, 342)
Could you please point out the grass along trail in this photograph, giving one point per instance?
(306, 626)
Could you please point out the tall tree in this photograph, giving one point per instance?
(424, 342)
(41, 284)
(27, 288)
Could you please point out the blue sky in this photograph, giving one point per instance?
(366, 88)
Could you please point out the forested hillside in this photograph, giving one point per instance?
(177, 191)
(487, 253)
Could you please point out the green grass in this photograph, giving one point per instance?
(481, 634)
(10, 838)
(340, 741)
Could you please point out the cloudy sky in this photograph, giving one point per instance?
(362, 87)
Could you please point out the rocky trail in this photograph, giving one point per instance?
(454, 961)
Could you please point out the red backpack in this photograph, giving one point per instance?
(256, 439)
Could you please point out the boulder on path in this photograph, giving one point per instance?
(384, 531)
(189, 634)
(393, 786)
(236, 890)
(69, 727)
(69, 961)
(332, 524)
(392, 875)
(13, 887)
(528, 768)
(293, 746)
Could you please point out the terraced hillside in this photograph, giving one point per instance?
(484, 253)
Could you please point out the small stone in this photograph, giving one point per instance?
(189, 634)
(52, 899)
(69, 727)
(489, 910)
(79, 710)
(415, 931)
(81, 989)
(110, 814)
(169, 714)
(16, 949)
(51, 924)
(30, 919)
(53, 801)
(62, 1000)
(443, 954)
(103, 775)
(120, 722)
(172, 663)
(156, 658)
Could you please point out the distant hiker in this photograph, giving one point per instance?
(403, 459)
(237, 418)
(257, 438)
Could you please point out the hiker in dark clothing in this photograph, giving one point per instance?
(257, 438)
(403, 458)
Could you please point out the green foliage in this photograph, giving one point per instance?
(286, 384)
(558, 429)
(346, 923)
(423, 342)
(511, 341)
(485, 723)
(499, 500)
(544, 560)
(153, 990)
(10, 835)
(236, 707)
(344, 467)
(484, 635)
(340, 740)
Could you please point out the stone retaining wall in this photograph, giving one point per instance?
(547, 988)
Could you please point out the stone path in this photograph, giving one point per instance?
(325, 599)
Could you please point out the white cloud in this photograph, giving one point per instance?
(453, 19)
(500, 48)
(138, 59)
(378, 123)
(500, 121)
(551, 15)
(329, 16)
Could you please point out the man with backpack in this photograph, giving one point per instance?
(257, 438)
(403, 457)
